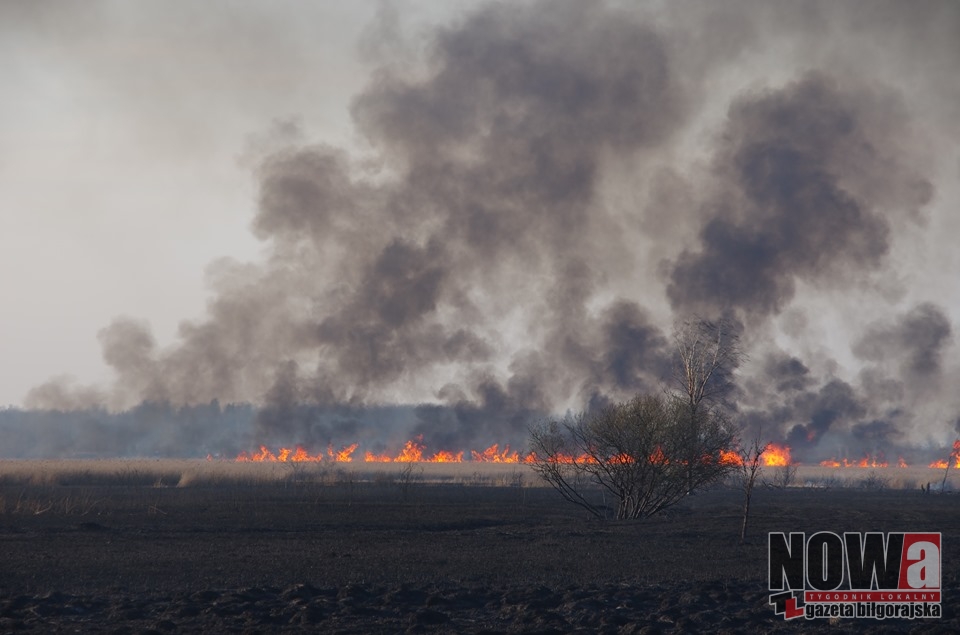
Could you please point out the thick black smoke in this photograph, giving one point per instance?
(528, 224)
(785, 212)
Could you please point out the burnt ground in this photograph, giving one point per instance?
(384, 558)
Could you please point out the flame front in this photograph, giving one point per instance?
(414, 450)
(491, 455)
(729, 457)
(343, 455)
(284, 455)
(777, 455)
(868, 460)
(954, 458)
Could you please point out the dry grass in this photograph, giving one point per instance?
(161, 473)
(872, 478)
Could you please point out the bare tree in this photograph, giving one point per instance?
(708, 353)
(783, 476)
(640, 453)
(952, 458)
(751, 464)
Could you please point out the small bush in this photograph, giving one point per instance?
(874, 481)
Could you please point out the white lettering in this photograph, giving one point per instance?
(924, 574)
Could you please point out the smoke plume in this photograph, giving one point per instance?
(544, 193)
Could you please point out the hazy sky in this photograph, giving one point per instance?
(503, 206)
(123, 132)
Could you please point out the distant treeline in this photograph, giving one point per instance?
(149, 429)
(160, 429)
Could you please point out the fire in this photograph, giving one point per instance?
(954, 456)
(569, 458)
(344, 455)
(297, 454)
(412, 452)
(873, 461)
(776, 455)
(729, 457)
(491, 455)
(868, 460)
(447, 457)
(659, 457)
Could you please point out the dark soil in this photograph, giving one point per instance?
(375, 558)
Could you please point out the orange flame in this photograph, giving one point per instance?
(777, 455)
(954, 455)
(285, 455)
(729, 457)
(446, 457)
(570, 459)
(412, 452)
(873, 461)
(344, 454)
(491, 455)
(868, 460)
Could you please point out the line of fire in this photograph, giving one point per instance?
(415, 451)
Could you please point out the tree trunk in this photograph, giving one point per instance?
(746, 516)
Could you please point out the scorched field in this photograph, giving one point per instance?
(220, 546)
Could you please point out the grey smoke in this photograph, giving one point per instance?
(525, 232)
(915, 343)
(784, 212)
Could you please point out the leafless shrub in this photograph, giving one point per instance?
(875, 481)
(409, 475)
(513, 479)
(783, 476)
(297, 472)
(646, 454)
(751, 465)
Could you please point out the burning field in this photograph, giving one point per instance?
(521, 213)
(543, 192)
(268, 468)
(357, 547)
